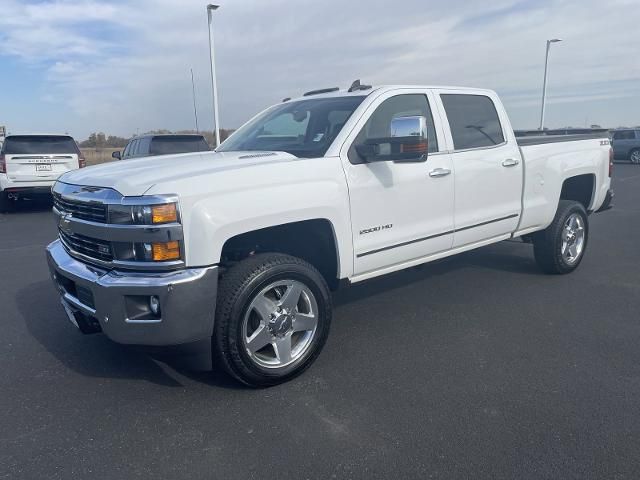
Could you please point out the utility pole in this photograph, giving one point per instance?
(544, 84)
(195, 110)
(214, 83)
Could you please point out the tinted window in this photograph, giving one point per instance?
(178, 144)
(134, 148)
(473, 120)
(305, 128)
(379, 124)
(290, 124)
(127, 150)
(39, 144)
(143, 146)
(624, 135)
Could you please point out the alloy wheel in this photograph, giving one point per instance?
(280, 324)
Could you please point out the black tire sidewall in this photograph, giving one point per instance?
(252, 373)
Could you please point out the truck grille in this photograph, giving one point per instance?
(93, 212)
(90, 247)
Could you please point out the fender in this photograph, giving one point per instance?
(319, 191)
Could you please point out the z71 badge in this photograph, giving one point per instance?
(376, 229)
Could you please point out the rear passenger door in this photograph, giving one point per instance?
(487, 165)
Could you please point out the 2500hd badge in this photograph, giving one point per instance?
(376, 229)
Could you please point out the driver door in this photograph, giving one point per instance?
(400, 211)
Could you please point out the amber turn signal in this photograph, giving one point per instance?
(166, 251)
(164, 213)
(421, 147)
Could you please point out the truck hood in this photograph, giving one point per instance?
(135, 177)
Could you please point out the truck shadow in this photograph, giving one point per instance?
(511, 257)
(96, 355)
(26, 206)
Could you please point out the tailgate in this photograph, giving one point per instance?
(33, 168)
(39, 158)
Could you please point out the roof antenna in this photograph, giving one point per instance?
(356, 85)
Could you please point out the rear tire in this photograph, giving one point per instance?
(6, 205)
(272, 318)
(559, 248)
(634, 156)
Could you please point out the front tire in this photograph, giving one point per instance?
(272, 318)
(559, 248)
(634, 156)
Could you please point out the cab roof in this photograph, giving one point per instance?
(336, 92)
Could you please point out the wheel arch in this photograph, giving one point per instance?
(579, 188)
(313, 240)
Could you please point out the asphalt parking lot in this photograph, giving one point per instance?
(475, 367)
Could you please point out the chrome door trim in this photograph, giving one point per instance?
(422, 239)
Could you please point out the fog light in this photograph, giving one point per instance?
(162, 252)
(154, 305)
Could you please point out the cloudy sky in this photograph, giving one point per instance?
(123, 66)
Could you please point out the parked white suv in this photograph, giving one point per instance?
(232, 254)
(30, 164)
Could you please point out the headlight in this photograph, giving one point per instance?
(159, 214)
(164, 213)
(143, 214)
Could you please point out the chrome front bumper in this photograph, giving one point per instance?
(113, 299)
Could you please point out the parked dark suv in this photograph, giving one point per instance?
(626, 144)
(149, 145)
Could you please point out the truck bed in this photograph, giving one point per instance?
(558, 138)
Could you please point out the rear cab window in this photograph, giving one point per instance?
(473, 120)
(39, 145)
(624, 135)
(177, 144)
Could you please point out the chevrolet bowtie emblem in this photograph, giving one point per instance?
(65, 223)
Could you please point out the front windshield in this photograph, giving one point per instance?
(304, 128)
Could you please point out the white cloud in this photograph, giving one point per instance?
(122, 66)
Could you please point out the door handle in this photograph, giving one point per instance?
(439, 172)
(510, 162)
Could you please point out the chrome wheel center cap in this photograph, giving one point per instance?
(281, 323)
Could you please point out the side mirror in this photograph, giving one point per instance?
(408, 142)
(116, 155)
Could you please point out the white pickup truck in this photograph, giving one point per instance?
(231, 255)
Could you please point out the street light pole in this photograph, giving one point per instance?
(214, 83)
(544, 84)
(195, 110)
